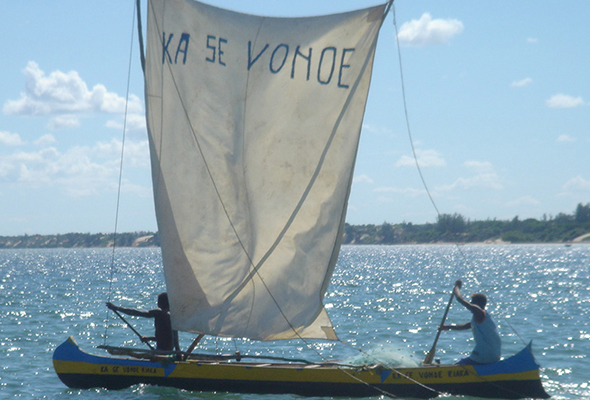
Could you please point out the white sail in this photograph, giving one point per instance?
(254, 125)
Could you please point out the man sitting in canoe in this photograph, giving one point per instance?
(488, 345)
(166, 338)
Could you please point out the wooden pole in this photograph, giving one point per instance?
(430, 356)
(140, 36)
(132, 328)
(194, 344)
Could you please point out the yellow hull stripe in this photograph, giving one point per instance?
(270, 373)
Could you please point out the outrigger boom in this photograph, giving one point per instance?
(158, 354)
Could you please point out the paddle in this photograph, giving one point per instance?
(430, 356)
(132, 328)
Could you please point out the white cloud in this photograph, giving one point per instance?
(10, 139)
(22, 161)
(65, 96)
(428, 31)
(526, 201)
(79, 171)
(384, 200)
(5, 167)
(426, 158)
(532, 40)
(481, 166)
(522, 82)
(63, 122)
(136, 152)
(408, 192)
(565, 138)
(376, 129)
(564, 101)
(45, 140)
(134, 121)
(362, 179)
(577, 184)
(485, 180)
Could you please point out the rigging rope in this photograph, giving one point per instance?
(457, 245)
(389, 7)
(112, 266)
(254, 266)
(403, 89)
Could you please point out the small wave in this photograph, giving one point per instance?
(386, 355)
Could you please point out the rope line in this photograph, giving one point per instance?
(112, 266)
(457, 245)
(253, 265)
(255, 270)
(410, 136)
(415, 156)
(403, 88)
(393, 369)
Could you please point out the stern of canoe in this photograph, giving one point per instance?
(512, 378)
(80, 370)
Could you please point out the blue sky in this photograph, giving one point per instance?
(498, 98)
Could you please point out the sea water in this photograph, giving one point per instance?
(385, 302)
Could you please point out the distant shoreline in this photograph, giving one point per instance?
(563, 229)
(362, 235)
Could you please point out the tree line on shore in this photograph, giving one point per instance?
(454, 228)
(80, 240)
(449, 228)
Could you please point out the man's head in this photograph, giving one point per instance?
(479, 300)
(163, 301)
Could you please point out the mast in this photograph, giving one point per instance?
(140, 35)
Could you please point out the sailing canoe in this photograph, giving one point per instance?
(254, 124)
(514, 377)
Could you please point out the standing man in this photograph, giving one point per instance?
(488, 345)
(166, 338)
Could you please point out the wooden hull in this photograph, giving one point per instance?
(515, 377)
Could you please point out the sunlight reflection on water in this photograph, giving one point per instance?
(387, 300)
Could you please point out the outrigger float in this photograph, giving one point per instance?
(512, 378)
